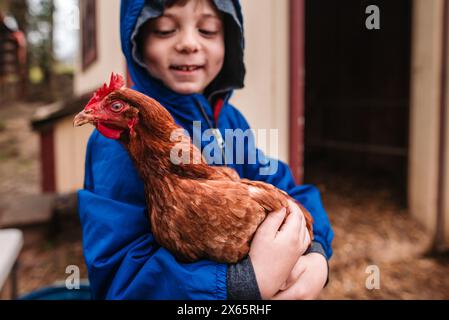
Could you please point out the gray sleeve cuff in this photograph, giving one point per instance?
(241, 281)
(318, 248)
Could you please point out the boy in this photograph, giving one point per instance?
(188, 55)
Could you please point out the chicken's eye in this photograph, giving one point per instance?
(116, 106)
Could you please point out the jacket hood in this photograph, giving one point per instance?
(135, 13)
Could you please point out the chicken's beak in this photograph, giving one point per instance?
(82, 118)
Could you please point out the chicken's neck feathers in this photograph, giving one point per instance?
(151, 145)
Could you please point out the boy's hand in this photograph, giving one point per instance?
(306, 280)
(276, 247)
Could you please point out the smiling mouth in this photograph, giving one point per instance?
(186, 68)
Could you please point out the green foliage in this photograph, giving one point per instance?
(36, 75)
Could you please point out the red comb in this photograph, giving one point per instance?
(115, 83)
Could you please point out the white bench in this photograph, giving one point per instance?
(11, 242)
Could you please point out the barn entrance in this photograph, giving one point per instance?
(357, 92)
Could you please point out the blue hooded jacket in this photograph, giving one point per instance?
(123, 259)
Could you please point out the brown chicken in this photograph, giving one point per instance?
(196, 210)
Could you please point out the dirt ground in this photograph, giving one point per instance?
(371, 228)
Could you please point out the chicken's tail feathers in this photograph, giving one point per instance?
(267, 195)
(273, 199)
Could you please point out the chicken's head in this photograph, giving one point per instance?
(109, 114)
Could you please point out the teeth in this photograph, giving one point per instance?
(186, 68)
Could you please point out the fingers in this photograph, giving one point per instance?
(294, 275)
(304, 234)
(272, 222)
(293, 222)
(284, 295)
(306, 239)
(285, 285)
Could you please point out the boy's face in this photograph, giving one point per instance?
(185, 46)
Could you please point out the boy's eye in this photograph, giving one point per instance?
(164, 32)
(208, 32)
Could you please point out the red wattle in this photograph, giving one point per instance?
(109, 132)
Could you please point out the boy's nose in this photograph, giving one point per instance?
(188, 43)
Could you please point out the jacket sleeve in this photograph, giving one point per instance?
(122, 257)
(279, 174)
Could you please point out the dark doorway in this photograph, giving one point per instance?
(357, 90)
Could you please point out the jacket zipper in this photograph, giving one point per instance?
(215, 131)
